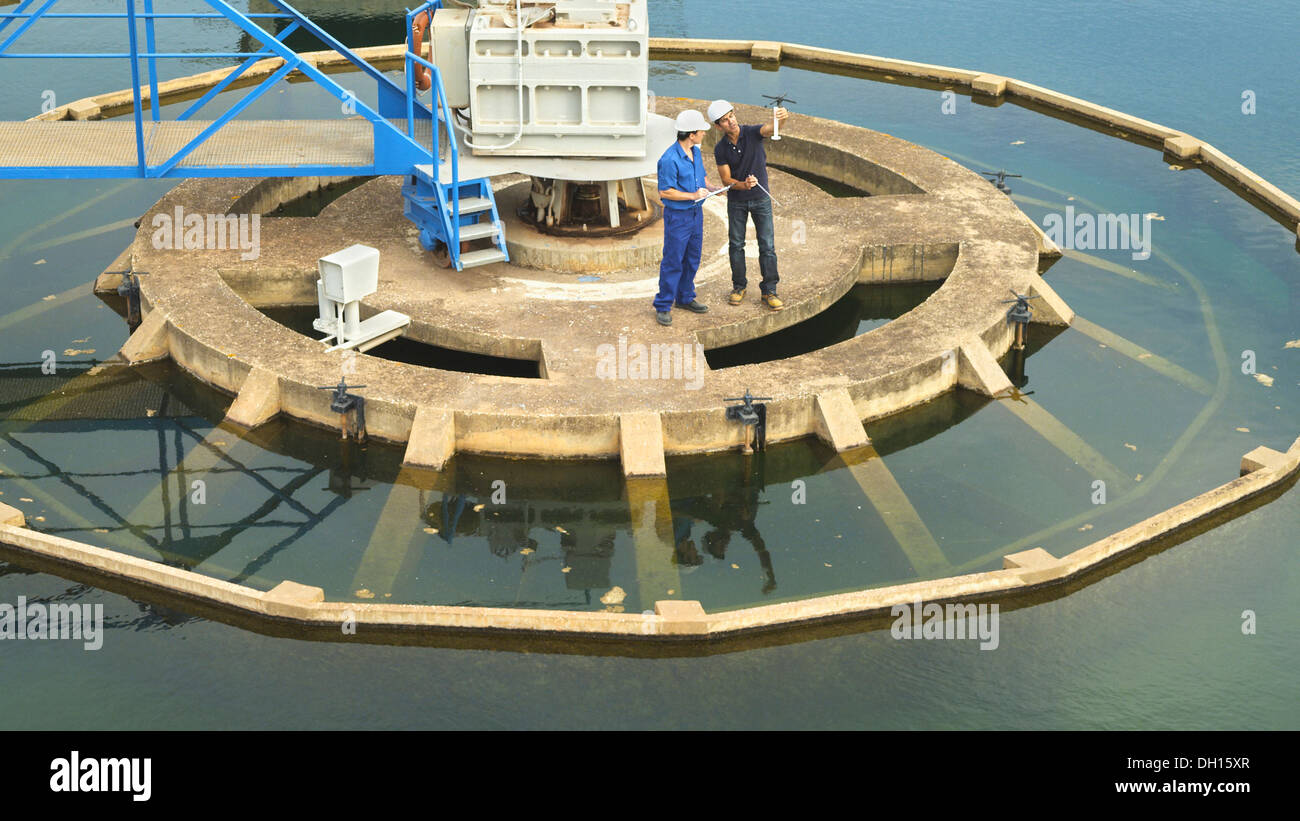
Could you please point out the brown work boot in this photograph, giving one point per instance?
(736, 297)
(771, 301)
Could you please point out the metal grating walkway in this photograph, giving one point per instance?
(111, 144)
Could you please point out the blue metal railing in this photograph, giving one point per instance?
(441, 113)
(394, 151)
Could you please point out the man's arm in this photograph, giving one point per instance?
(666, 191)
(724, 171)
(766, 129)
(683, 196)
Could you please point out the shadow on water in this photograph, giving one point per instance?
(862, 309)
(835, 188)
(299, 320)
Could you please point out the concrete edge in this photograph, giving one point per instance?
(147, 343)
(305, 605)
(641, 444)
(433, 439)
(258, 401)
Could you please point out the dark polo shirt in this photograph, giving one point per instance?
(746, 156)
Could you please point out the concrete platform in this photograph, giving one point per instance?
(928, 218)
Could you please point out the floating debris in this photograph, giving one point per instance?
(1176, 167)
(1153, 215)
(77, 351)
(1086, 527)
(49, 298)
(1294, 343)
(615, 595)
(23, 499)
(735, 566)
(1243, 430)
(101, 530)
(1018, 142)
(1137, 478)
(559, 529)
(41, 262)
(150, 412)
(672, 592)
(479, 507)
(826, 564)
(363, 593)
(1264, 379)
(565, 569)
(431, 530)
(525, 551)
(1130, 447)
(38, 518)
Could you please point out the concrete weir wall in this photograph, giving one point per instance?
(1264, 471)
(1022, 573)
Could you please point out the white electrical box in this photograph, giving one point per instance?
(450, 44)
(350, 274)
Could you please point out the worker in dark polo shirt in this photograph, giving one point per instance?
(742, 164)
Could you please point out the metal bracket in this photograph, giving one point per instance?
(999, 179)
(350, 408)
(750, 414)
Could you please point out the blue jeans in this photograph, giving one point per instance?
(738, 213)
(683, 236)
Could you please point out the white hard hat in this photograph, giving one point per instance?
(718, 109)
(691, 120)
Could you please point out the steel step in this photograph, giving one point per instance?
(472, 259)
(478, 230)
(471, 205)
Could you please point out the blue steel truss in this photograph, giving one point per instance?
(433, 205)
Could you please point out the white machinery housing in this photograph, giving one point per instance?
(577, 69)
(347, 277)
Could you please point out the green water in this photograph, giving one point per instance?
(1158, 644)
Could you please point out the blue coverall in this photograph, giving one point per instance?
(683, 227)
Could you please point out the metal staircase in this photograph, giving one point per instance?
(453, 219)
(453, 215)
(457, 215)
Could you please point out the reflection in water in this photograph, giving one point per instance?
(731, 509)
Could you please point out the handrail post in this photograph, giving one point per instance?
(135, 88)
(153, 62)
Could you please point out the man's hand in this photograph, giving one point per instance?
(781, 114)
(701, 193)
(750, 182)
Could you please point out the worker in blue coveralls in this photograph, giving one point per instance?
(742, 164)
(682, 187)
